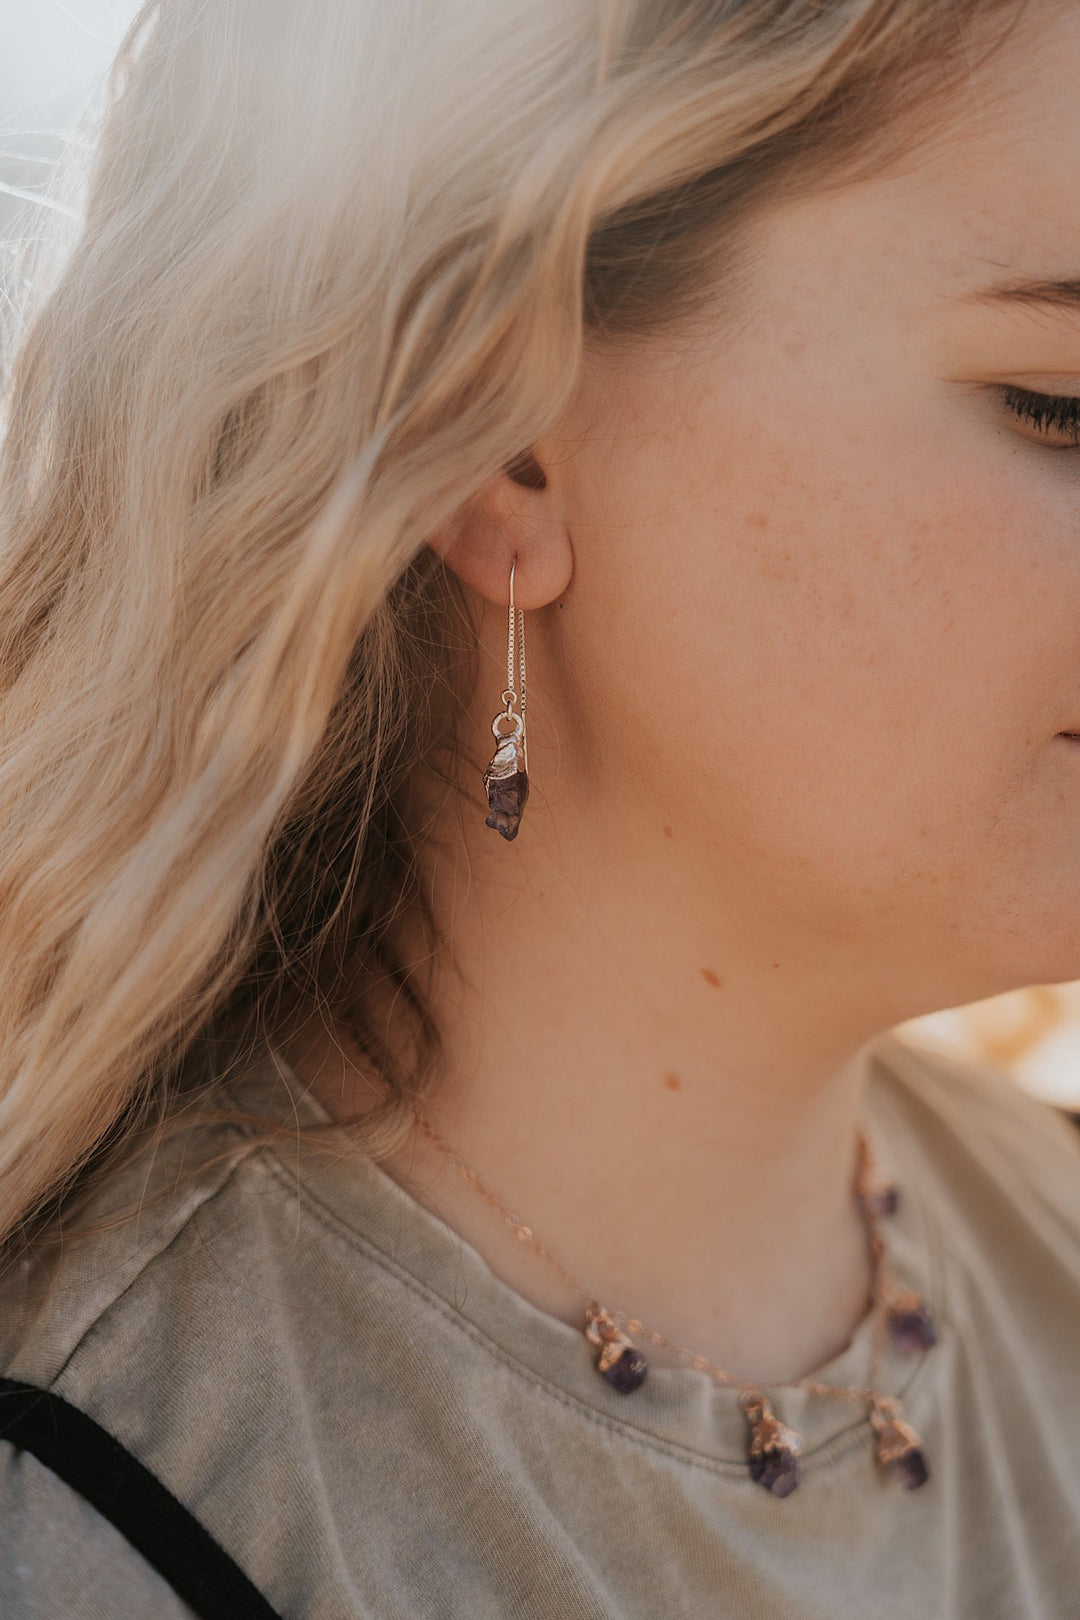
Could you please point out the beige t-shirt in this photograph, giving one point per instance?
(378, 1428)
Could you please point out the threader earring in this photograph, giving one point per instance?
(506, 779)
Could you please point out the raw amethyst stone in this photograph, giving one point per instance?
(912, 1330)
(884, 1201)
(506, 801)
(777, 1469)
(628, 1373)
(910, 1469)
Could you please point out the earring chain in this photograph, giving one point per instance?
(515, 634)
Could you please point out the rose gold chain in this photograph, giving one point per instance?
(515, 636)
(879, 1284)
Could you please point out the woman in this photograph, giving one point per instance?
(541, 618)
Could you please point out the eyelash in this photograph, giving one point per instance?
(1047, 412)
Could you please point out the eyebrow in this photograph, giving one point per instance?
(1047, 294)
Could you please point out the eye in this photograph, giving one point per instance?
(1053, 419)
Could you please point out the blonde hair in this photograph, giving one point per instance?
(338, 266)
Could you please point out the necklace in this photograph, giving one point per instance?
(773, 1448)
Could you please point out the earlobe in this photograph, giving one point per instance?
(517, 514)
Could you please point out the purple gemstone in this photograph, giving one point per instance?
(777, 1469)
(884, 1201)
(628, 1373)
(910, 1469)
(506, 801)
(912, 1330)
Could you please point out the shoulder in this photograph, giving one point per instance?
(60, 1556)
(124, 1321)
(979, 1135)
(140, 1221)
(175, 1226)
(227, 1336)
(975, 1094)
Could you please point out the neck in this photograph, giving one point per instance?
(665, 1091)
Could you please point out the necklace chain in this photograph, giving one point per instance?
(880, 1285)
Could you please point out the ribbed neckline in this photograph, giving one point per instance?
(676, 1406)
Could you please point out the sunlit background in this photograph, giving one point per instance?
(53, 54)
(53, 58)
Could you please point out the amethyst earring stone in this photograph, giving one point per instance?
(506, 780)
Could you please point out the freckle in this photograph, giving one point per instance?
(668, 833)
(711, 978)
(757, 520)
(672, 1082)
(776, 964)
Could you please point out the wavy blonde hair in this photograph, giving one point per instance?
(338, 265)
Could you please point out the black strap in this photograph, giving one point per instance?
(94, 1463)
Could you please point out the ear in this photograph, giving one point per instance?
(518, 514)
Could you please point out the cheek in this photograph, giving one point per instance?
(854, 637)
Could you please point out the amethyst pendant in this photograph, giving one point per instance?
(898, 1448)
(883, 1200)
(773, 1453)
(620, 1361)
(506, 782)
(909, 1323)
(910, 1468)
(626, 1371)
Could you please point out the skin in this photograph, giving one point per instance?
(803, 634)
